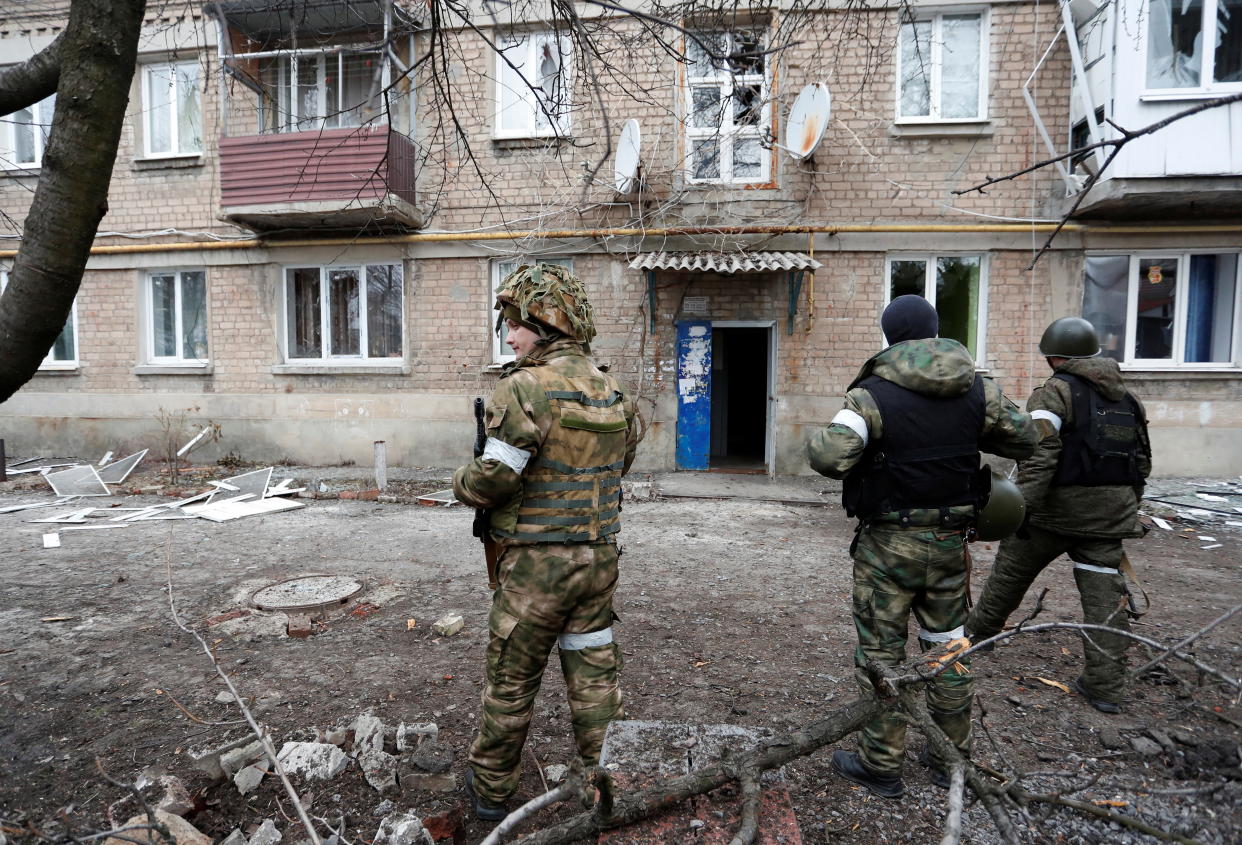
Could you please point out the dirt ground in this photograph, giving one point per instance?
(732, 611)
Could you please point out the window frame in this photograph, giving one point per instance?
(148, 318)
(529, 42)
(500, 355)
(728, 82)
(1176, 362)
(929, 290)
(175, 113)
(49, 363)
(325, 317)
(1207, 63)
(8, 138)
(936, 17)
(286, 73)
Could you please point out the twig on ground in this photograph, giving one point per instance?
(953, 822)
(562, 793)
(194, 718)
(752, 795)
(1164, 655)
(1100, 812)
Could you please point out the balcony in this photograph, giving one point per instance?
(332, 179)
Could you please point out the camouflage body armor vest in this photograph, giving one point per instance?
(572, 490)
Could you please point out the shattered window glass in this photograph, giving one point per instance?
(727, 109)
(705, 107)
(705, 159)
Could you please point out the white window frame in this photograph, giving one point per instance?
(328, 116)
(929, 290)
(936, 17)
(1207, 63)
(521, 50)
(174, 130)
(42, 113)
(148, 319)
(49, 361)
(325, 317)
(501, 267)
(1182, 301)
(727, 133)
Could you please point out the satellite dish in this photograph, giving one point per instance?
(626, 161)
(807, 120)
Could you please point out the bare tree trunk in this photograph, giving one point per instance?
(97, 54)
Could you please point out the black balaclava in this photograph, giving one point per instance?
(909, 317)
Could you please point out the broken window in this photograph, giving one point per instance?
(1194, 44)
(331, 90)
(502, 354)
(356, 308)
(727, 108)
(942, 67)
(173, 119)
(955, 285)
(25, 133)
(1165, 310)
(64, 352)
(177, 317)
(532, 85)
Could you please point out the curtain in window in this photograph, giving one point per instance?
(1228, 58)
(1174, 43)
(957, 300)
(1105, 300)
(1210, 297)
(916, 69)
(959, 65)
(159, 109)
(189, 123)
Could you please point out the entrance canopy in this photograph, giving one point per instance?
(725, 262)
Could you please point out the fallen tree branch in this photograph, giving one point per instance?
(1155, 661)
(953, 822)
(752, 795)
(547, 799)
(1100, 812)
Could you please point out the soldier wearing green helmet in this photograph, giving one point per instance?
(1082, 489)
(560, 434)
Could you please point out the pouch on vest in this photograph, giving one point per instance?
(1101, 441)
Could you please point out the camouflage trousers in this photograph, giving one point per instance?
(898, 571)
(1101, 587)
(549, 595)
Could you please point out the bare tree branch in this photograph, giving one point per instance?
(31, 81)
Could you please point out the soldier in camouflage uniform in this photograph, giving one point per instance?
(560, 434)
(1082, 490)
(907, 444)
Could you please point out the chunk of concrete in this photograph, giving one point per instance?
(402, 829)
(312, 760)
(181, 830)
(379, 768)
(410, 737)
(248, 779)
(234, 838)
(267, 834)
(368, 734)
(176, 799)
(414, 779)
(448, 624)
(432, 757)
(556, 772)
(1144, 746)
(207, 758)
(239, 758)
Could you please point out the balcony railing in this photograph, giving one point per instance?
(326, 179)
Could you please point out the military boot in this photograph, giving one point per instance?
(850, 766)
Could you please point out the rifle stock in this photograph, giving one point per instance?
(482, 517)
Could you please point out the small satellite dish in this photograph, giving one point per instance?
(627, 159)
(807, 120)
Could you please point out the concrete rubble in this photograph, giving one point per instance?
(266, 834)
(402, 829)
(181, 831)
(312, 760)
(448, 624)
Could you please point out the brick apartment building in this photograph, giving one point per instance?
(313, 202)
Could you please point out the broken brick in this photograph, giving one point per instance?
(369, 495)
(349, 494)
(299, 626)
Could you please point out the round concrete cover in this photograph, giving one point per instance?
(306, 593)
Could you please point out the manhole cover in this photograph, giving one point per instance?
(306, 593)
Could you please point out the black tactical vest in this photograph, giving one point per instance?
(1101, 441)
(928, 457)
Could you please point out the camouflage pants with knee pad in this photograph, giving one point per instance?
(1101, 587)
(899, 571)
(548, 595)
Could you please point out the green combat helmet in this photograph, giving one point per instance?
(1003, 513)
(1069, 337)
(547, 296)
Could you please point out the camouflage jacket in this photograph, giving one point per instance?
(1110, 511)
(932, 367)
(526, 421)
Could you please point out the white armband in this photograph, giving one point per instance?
(511, 456)
(853, 421)
(1049, 416)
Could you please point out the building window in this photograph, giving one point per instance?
(727, 110)
(1165, 310)
(1194, 44)
(343, 313)
(25, 134)
(328, 91)
(502, 354)
(955, 285)
(176, 317)
(942, 67)
(532, 85)
(173, 124)
(64, 352)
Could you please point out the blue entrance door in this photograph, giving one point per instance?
(694, 393)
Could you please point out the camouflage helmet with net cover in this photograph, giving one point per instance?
(550, 297)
